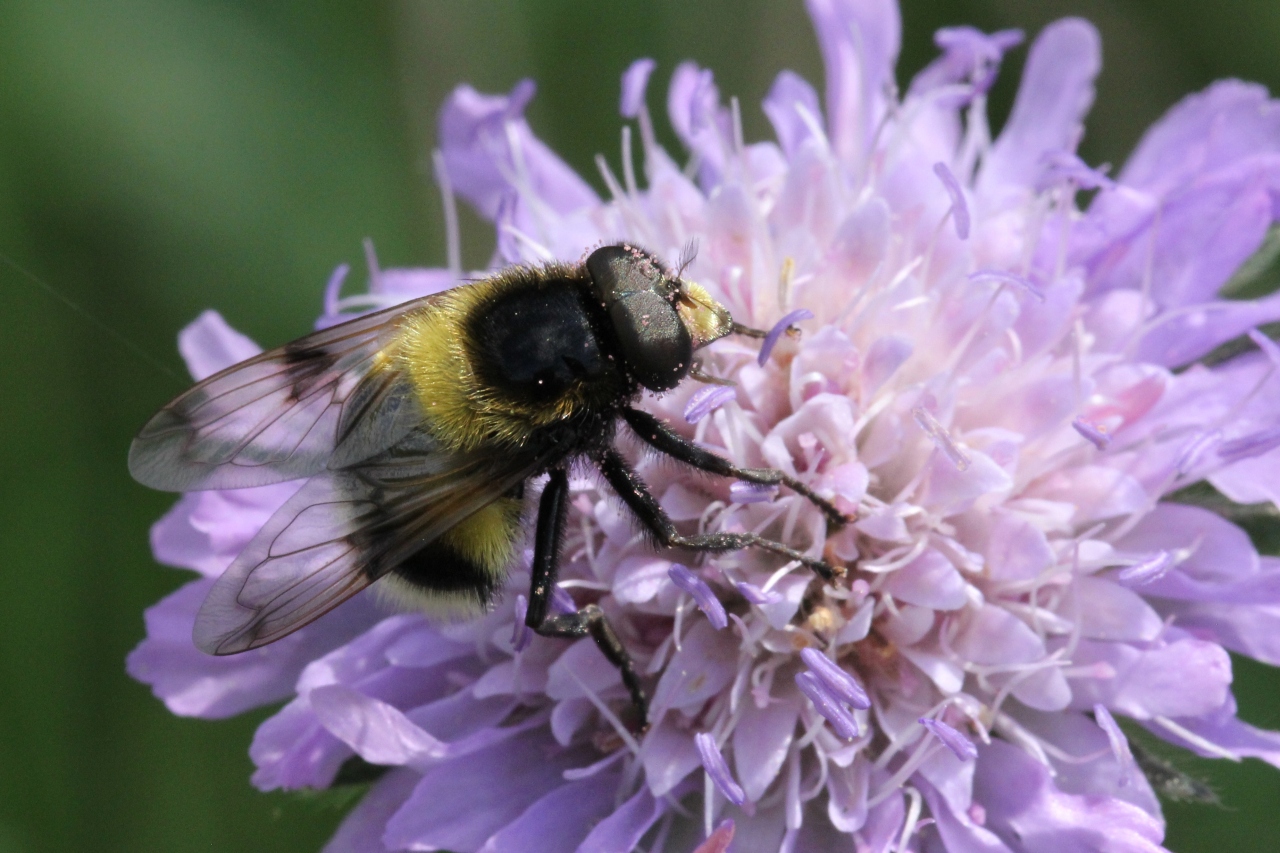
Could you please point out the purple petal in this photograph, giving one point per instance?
(1022, 802)
(668, 755)
(693, 105)
(859, 40)
(378, 732)
(837, 682)
(453, 807)
(1095, 435)
(761, 742)
(623, 829)
(705, 665)
(1185, 678)
(634, 82)
(827, 705)
(930, 580)
(713, 762)
(960, 746)
(1189, 139)
(361, 830)
(1056, 92)
(959, 208)
(706, 400)
(789, 100)
(719, 840)
(208, 344)
(520, 632)
(702, 595)
(559, 821)
(771, 339)
(741, 492)
(194, 684)
(1110, 611)
(756, 595)
(476, 135)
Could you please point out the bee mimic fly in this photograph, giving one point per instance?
(416, 429)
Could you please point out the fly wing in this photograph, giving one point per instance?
(327, 400)
(342, 531)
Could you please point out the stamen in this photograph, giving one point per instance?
(941, 438)
(371, 261)
(1191, 454)
(702, 595)
(963, 748)
(452, 233)
(1249, 446)
(827, 705)
(1119, 743)
(609, 717)
(912, 821)
(713, 762)
(783, 325)
(1009, 278)
(704, 401)
(562, 602)
(1267, 345)
(838, 682)
(756, 595)
(333, 289)
(1151, 569)
(520, 634)
(1096, 435)
(959, 208)
(742, 492)
(1194, 739)
(628, 165)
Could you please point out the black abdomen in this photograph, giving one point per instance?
(439, 570)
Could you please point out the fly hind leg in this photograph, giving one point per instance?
(635, 494)
(552, 508)
(661, 437)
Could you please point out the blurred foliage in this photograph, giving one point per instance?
(158, 158)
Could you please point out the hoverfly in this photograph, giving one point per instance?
(418, 428)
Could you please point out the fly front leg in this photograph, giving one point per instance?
(552, 509)
(659, 436)
(627, 483)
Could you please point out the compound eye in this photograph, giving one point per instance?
(618, 270)
(655, 344)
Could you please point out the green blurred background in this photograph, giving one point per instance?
(158, 158)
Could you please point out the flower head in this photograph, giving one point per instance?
(1001, 387)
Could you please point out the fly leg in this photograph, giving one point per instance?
(635, 494)
(661, 437)
(552, 509)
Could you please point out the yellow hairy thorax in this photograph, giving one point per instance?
(462, 411)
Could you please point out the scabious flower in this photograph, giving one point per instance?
(1003, 387)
